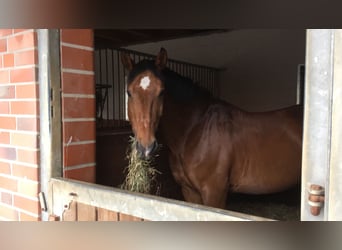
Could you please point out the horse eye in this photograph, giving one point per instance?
(129, 93)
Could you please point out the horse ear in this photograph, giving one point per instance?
(161, 59)
(127, 61)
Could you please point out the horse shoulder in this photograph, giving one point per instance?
(207, 147)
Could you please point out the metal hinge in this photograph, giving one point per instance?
(42, 201)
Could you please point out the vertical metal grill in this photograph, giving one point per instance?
(110, 77)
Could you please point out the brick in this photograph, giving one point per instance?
(26, 58)
(28, 156)
(6, 198)
(78, 36)
(9, 184)
(7, 92)
(8, 122)
(3, 45)
(26, 204)
(22, 41)
(79, 131)
(74, 58)
(21, 171)
(27, 91)
(9, 213)
(78, 107)
(79, 154)
(23, 75)
(27, 217)
(5, 32)
(78, 83)
(4, 76)
(86, 174)
(8, 153)
(8, 60)
(4, 137)
(24, 140)
(24, 107)
(28, 188)
(4, 107)
(5, 168)
(28, 124)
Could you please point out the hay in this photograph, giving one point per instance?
(141, 174)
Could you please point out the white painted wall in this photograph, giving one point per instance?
(260, 65)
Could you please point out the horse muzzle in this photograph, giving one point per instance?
(146, 152)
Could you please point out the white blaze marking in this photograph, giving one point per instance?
(145, 82)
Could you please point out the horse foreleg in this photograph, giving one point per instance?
(191, 195)
(214, 196)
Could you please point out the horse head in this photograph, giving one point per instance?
(145, 89)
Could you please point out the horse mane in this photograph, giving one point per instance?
(178, 87)
(183, 88)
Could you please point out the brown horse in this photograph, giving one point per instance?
(214, 147)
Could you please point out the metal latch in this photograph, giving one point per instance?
(316, 198)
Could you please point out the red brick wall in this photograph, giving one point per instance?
(19, 125)
(19, 117)
(78, 104)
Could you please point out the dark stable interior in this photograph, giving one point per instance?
(112, 145)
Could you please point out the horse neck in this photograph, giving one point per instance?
(178, 118)
(184, 103)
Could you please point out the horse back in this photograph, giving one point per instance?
(267, 151)
(252, 152)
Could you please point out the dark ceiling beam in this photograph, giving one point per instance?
(105, 38)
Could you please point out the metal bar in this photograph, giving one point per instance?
(140, 205)
(198, 75)
(206, 79)
(50, 97)
(317, 116)
(211, 79)
(100, 82)
(115, 86)
(121, 93)
(100, 67)
(212, 86)
(171, 60)
(115, 76)
(192, 72)
(334, 190)
(107, 82)
(216, 82)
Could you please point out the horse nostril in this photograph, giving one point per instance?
(152, 147)
(146, 152)
(140, 149)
